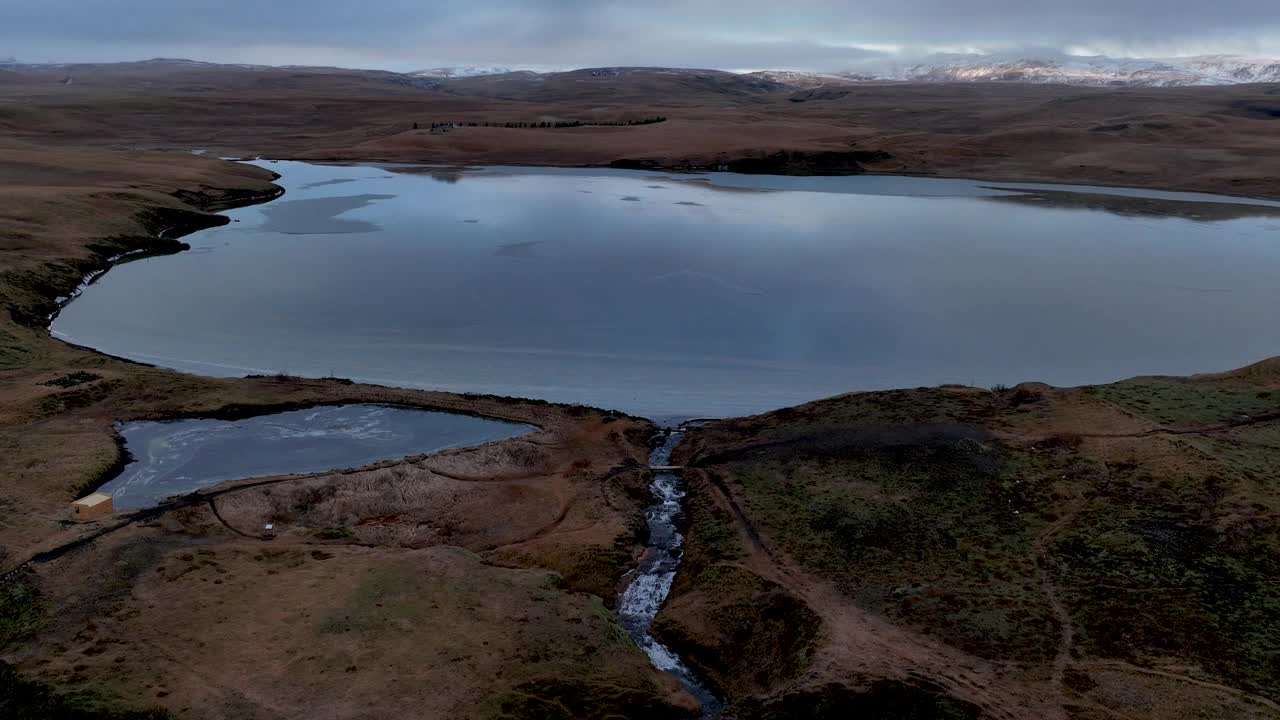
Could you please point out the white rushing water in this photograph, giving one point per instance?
(648, 590)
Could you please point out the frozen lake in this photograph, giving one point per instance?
(713, 295)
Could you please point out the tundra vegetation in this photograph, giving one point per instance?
(1026, 552)
(1083, 552)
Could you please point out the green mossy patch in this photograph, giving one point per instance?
(1253, 451)
(937, 534)
(335, 533)
(14, 353)
(1184, 403)
(22, 613)
(22, 698)
(1173, 565)
(710, 537)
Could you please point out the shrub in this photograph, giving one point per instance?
(335, 533)
(1022, 396)
(21, 698)
(76, 378)
(21, 613)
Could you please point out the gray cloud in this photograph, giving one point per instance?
(798, 34)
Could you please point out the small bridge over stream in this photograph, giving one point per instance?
(666, 468)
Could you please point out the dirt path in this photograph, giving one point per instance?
(725, 498)
(1209, 684)
(491, 479)
(1042, 552)
(1262, 419)
(213, 507)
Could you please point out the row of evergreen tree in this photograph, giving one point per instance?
(551, 123)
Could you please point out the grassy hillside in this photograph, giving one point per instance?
(1086, 551)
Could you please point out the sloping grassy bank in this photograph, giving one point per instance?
(1086, 551)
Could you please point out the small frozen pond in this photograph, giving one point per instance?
(181, 456)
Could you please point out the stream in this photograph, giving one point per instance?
(643, 597)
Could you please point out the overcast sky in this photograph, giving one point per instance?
(744, 34)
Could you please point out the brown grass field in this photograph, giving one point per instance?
(1214, 139)
(1100, 552)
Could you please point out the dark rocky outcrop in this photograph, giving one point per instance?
(877, 700)
(848, 162)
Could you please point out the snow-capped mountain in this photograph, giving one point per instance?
(448, 73)
(1233, 68)
(1028, 66)
(805, 80)
(1065, 69)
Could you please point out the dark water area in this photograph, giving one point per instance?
(181, 456)
(651, 582)
(714, 295)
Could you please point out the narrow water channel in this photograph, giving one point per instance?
(643, 597)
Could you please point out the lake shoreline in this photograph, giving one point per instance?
(662, 376)
(169, 394)
(208, 203)
(1004, 178)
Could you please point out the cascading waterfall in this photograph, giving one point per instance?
(648, 589)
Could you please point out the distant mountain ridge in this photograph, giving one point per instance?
(449, 73)
(1100, 71)
(1095, 71)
